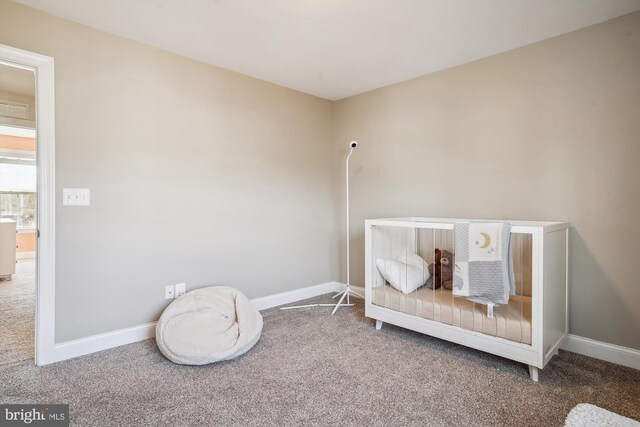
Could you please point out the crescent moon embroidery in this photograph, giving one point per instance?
(487, 240)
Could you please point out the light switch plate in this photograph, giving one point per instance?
(76, 197)
(84, 197)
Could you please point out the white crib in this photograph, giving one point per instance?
(529, 329)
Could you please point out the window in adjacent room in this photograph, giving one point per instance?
(18, 187)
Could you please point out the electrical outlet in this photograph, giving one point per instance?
(180, 289)
(169, 292)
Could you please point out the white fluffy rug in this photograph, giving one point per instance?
(584, 415)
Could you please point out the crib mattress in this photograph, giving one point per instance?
(512, 321)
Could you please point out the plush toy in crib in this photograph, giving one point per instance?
(441, 271)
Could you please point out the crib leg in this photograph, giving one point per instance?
(379, 324)
(533, 373)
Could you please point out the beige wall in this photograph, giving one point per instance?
(197, 175)
(546, 132)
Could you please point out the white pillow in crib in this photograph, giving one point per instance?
(406, 273)
(412, 258)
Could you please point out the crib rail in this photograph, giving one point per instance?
(401, 282)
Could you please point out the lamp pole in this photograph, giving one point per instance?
(348, 291)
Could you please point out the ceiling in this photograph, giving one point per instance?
(337, 48)
(17, 81)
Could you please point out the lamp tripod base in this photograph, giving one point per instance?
(346, 293)
(314, 305)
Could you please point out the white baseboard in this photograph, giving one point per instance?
(604, 351)
(94, 343)
(358, 289)
(82, 346)
(25, 255)
(296, 295)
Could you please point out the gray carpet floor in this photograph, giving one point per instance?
(17, 305)
(310, 368)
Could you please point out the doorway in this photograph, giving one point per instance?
(27, 207)
(18, 209)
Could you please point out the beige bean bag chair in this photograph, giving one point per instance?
(208, 325)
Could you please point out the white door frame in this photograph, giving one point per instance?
(46, 209)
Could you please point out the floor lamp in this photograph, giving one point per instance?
(347, 292)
